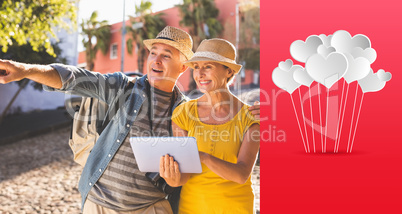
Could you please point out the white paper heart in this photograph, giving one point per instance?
(284, 80)
(325, 51)
(369, 53)
(301, 76)
(357, 68)
(343, 42)
(371, 83)
(326, 40)
(329, 70)
(286, 65)
(301, 50)
(384, 76)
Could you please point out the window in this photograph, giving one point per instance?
(113, 51)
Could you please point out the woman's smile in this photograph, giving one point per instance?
(205, 82)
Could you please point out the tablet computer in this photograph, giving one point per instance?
(149, 150)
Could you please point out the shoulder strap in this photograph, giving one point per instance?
(185, 99)
(83, 131)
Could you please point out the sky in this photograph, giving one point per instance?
(112, 11)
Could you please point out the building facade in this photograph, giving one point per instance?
(111, 62)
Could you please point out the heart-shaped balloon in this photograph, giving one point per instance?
(326, 40)
(343, 42)
(286, 65)
(371, 83)
(301, 76)
(327, 70)
(284, 79)
(301, 50)
(357, 68)
(324, 50)
(384, 76)
(369, 53)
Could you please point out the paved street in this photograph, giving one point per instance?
(38, 175)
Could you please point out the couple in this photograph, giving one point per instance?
(110, 181)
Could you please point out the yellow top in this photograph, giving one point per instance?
(207, 192)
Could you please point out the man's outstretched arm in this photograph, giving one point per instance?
(13, 71)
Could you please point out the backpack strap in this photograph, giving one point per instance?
(83, 131)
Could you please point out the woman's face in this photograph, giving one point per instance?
(211, 76)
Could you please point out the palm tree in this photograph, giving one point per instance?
(200, 17)
(249, 48)
(98, 30)
(145, 26)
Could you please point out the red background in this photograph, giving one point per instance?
(370, 179)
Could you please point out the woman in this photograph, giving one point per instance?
(227, 136)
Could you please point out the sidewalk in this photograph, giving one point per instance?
(17, 127)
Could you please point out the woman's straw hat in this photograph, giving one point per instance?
(216, 50)
(174, 37)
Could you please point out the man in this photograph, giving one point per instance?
(110, 181)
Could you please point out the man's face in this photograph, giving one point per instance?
(164, 66)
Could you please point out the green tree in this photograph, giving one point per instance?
(92, 29)
(201, 18)
(35, 22)
(144, 26)
(249, 44)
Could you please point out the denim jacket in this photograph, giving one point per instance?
(107, 88)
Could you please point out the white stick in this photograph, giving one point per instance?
(304, 121)
(298, 123)
(353, 116)
(326, 123)
(319, 106)
(343, 116)
(339, 118)
(357, 120)
(312, 119)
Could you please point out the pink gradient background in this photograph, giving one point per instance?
(370, 179)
